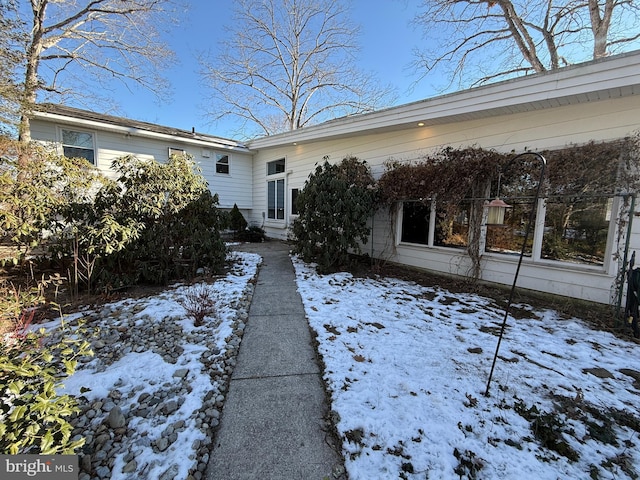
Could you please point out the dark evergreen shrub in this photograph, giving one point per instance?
(334, 209)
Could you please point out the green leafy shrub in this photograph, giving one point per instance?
(334, 211)
(37, 198)
(32, 415)
(175, 219)
(32, 366)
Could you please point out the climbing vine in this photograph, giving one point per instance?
(470, 176)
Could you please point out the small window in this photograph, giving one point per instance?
(275, 167)
(294, 198)
(78, 145)
(222, 163)
(176, 151)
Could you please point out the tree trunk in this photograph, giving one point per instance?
(521, 36)
(31, 80)
(600, 26)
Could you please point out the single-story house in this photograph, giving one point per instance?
(598, 101)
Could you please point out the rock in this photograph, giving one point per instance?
(130, 467)
(170, 473)
(162, 444)
(474, 350)
(102, 439)
(598, 372)
(179, 424)
(143, 397)
(103, 472)
(85, 463)
(99, 456)
(181, 373)
(170, 407)
(116, 418)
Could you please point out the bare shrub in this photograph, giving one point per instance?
(199, 303)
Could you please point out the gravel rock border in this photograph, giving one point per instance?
(105, 422)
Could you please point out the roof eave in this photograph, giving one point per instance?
(593, 81)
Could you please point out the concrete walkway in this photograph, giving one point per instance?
(272, 424)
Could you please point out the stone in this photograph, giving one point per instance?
(181, 373)
(170, 473)
(162, 444)
(103, 472)
(85, 463)
(102, 438)
(116, 418)
(130, 467)
(170, 407)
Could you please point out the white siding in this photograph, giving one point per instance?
(538, 130)
(231, 188)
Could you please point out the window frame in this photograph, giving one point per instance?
(175, 151)
(63, 145)
(278, 182)
(220, 156)
(536, 235)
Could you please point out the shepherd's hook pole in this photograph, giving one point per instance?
(543, 161)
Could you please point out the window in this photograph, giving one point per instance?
(275, 199)
(78, 145)
(222, 163)
(452, 228)
(576, 229)
(275, 167)
(176, 151)
(294, 198)
(275, 190)
(415, 222)
(508, 237)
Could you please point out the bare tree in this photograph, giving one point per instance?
(74, 44)
(476, 41)
(11, 36)
(290, 63)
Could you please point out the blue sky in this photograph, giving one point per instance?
(387, 41)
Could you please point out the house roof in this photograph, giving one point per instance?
(78, 117)
(613, 77)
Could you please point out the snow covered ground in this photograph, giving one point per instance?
(161, 371)
(407, 367)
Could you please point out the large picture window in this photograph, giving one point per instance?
(576, 229)
(452, 227)
(507, 237)
(77, 144)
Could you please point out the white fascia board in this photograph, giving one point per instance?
(138, 132)
(608, 78)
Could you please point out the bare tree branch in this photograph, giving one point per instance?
(287, 64)
(475, 41)
(73, 46)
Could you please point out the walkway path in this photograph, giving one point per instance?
(272, 424)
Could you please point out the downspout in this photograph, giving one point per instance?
(287, 208)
